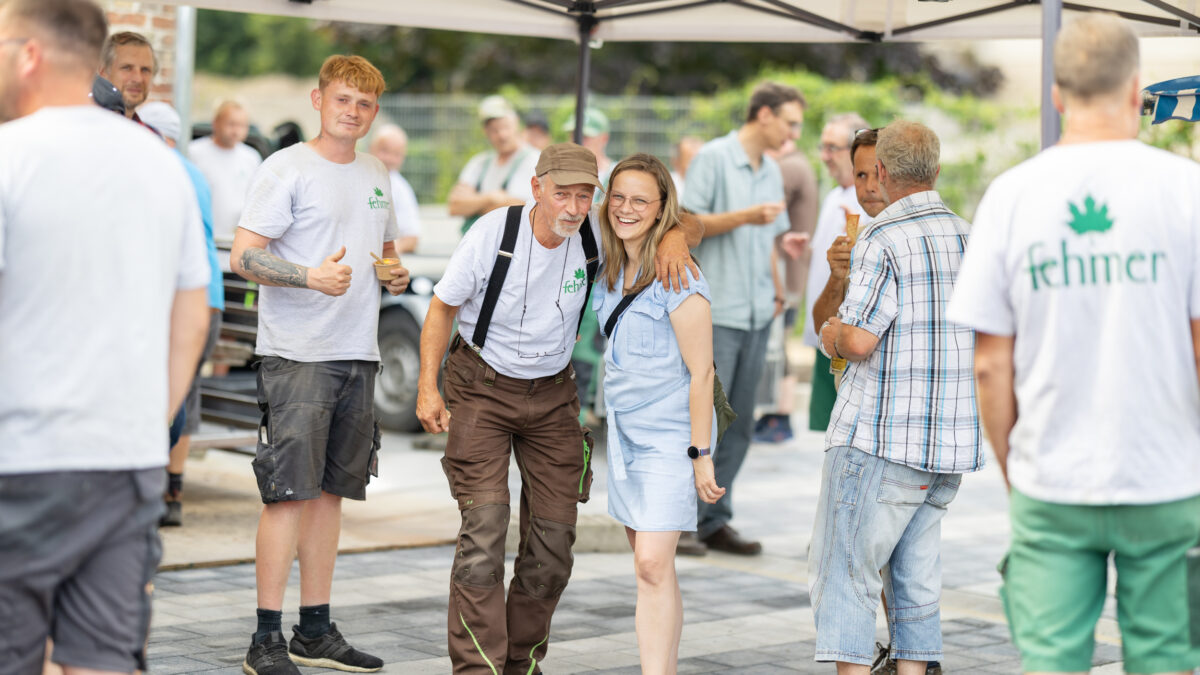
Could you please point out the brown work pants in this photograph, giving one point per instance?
(538, 420)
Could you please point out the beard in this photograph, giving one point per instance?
(566, 228)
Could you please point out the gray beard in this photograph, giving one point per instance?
(561, 230)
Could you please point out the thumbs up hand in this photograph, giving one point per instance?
(332, 277)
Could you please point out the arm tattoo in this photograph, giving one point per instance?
(272, 270)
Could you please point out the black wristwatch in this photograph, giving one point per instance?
(696, 453)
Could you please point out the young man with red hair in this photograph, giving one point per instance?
(314, 213)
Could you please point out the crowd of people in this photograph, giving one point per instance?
(1033, 327)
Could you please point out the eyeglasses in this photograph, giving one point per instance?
(636, 203)
(14, 41)
(831, 148)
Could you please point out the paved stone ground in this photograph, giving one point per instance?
(742, 615)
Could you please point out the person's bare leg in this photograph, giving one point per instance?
(179, 454)
(274, 550)
(844, 668)
(906, 667)
(321, 524)
(658, 616)
(673, 665)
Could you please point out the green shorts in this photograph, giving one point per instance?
(1055, 580)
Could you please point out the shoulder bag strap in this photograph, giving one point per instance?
(611, 324)
(512, 226)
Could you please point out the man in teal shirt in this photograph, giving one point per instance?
(731, 174)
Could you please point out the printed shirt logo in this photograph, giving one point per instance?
(577, 283)
(1090, 220)
(1065, 265)
(377, 201)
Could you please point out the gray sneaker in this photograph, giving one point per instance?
(331, 651)
(269, 657)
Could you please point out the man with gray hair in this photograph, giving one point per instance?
(1082, 283)
(390, 146)
(904, 427)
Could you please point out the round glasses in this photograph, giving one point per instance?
(636, 203)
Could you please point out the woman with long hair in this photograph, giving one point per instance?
(658, 388)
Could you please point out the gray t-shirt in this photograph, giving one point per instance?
(311, 207)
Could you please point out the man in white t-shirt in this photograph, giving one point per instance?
(836, 139)
(509, 384)
(390, 145)
(315, 213)
(103, 313)
(1082, 282)
(500, 176)
(228, 164)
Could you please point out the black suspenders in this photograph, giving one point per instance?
(512, 226)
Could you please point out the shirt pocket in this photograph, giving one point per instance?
(646, 330)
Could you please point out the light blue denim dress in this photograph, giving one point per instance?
(651, 486)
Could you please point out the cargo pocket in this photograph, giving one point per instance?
(585, 478)
(449, 471)
(373, 461)
(264, 462)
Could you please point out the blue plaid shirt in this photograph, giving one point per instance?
(912, 401)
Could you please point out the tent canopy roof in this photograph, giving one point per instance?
(729, 20)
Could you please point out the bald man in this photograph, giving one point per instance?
(228, 164)
(390, 146)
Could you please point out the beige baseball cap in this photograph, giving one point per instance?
(569, 164)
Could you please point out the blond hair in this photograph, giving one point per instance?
(1094, 55)
(614, 250)
(352, 70)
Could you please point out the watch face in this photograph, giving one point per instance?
(693, 452)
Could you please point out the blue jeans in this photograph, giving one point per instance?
(739, 356)
(875, 514)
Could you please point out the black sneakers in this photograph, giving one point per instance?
(330, 651)
(269, 657)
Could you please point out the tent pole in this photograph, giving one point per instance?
(586, 23)
(1051, 22)
(185, 66)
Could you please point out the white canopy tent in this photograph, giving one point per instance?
(734, 21)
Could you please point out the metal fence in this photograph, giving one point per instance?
(444, 129)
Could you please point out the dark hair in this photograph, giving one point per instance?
(122, 39)
(863, 137)
(773, 95)
(77, 27)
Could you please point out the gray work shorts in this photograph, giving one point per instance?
(192, 403)
(318, 430)
(78, 550)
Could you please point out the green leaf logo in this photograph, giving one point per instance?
(378, 192)
(1089, 220)
(579, 274)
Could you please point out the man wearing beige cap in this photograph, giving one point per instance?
(517, 284)
(497, 177)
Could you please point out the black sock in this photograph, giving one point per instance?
(314, 620)
(174, 484)
(269, 621)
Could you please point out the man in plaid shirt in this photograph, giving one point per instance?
(905, 426)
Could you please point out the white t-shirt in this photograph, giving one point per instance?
(519, 186)
(534, 323)
(99, 227)
(311, 207)
(408, 217)
(831, 224)
(1090, 255)
(228, 171)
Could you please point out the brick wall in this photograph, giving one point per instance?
(157, 22)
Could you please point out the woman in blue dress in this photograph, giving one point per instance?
(658, 389)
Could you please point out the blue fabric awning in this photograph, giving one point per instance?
(1175, 99)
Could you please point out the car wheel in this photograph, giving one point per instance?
(396, 386)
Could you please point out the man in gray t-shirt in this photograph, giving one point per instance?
(314, 214)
